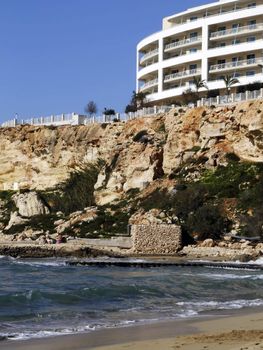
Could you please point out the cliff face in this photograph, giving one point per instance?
(41, 157)
(136, 153)
(198, 168)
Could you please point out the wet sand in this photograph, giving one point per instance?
(241, 331)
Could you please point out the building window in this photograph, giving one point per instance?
(250, 73)
(251, 38)
(236, 75)
(251, 59)
(252, 24)
(234, 61)
(192, 68)
(251, 5)
(193, 50)
(193, 36)
(194, 18)
(236, 41)
(222, 44)
(235, 27)
(221, 63)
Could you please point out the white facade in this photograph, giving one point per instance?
(210, 41)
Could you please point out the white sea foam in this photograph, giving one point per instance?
(40, 263)
(67, 331)
(219, 305)
(259, 261)
(231, 276)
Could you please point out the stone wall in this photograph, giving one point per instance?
(156, 239)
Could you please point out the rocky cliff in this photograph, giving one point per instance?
(139, 160)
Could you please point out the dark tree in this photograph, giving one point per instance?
(138, 101)
(109, 111)
(91, 108)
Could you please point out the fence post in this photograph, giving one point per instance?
(76, 119)
(233, 97)
(261, 93)
(118, 116)
(155, 109)
(104, 118)
(52, 119)
(246, 95)
(218, 100)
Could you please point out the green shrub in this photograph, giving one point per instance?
(226, 181)
(75, 193)
(207, 222)
(107, 224)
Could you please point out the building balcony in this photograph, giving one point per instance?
(179, 20)
(183, 74)
(253, 28)
(149, 84)
(236, 64)
(149, 55)
(182, 43)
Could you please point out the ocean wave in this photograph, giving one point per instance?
(231, 276)
(25, 335)
(259, 261)
(220, 305)
(39, 263)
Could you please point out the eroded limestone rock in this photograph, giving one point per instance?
(29, 204)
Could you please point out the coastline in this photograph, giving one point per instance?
(226, 330)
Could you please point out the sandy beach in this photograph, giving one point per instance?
(240, 331)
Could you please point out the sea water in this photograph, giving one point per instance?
(40, 298)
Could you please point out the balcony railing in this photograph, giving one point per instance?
(238, 30)
(236, 64)
(179, 75)
(184, 42)
(149, 54)
(221, 12)
(149, 84)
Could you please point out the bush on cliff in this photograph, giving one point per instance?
(207, 222)
(229, 181)
(76, 193)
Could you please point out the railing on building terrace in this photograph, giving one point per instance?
(231, 98)
(76, 119)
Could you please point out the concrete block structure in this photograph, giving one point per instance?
(210, 41)
(160, 239)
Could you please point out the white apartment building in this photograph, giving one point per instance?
(210, 41)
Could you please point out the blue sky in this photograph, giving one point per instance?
(56, 55)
